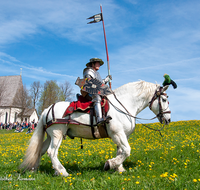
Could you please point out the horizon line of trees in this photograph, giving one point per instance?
(41, 96)
(38, 96)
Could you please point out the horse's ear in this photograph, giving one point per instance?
(158, 87)
(165, 88)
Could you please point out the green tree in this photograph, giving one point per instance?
(51, 94)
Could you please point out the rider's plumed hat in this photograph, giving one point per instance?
(93, 60)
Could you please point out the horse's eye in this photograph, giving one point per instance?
(164, 100)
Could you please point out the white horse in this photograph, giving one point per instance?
(133, 97)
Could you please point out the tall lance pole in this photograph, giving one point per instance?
(105, 45)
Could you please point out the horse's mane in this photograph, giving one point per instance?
(139, 86)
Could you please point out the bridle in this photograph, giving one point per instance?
(158, 94)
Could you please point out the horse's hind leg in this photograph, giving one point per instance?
(46, 144)
(56, 139)
(123, 152)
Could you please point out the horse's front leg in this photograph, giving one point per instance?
(119, 168)
(123, 152)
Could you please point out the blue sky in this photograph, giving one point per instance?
(51, 40)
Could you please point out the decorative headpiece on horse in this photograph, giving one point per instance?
(169, 81)
(93, 60)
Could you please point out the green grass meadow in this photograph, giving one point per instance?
(168, 162)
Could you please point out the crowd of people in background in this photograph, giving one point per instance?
(19, 127)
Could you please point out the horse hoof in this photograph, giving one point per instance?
(107, 166)
(56, 173)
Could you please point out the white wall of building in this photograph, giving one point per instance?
(11, 115)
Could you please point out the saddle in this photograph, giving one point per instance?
(85, 105)
(82, 105)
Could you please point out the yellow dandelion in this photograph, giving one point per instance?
(137, 182)
(92, 179)
(170, 178)
(194, 180)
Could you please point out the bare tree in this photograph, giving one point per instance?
(22, 100)
(67, 91)
(35, 92)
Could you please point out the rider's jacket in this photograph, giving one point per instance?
(89, 72)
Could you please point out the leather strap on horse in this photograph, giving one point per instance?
(102, 129)
(151, 102)
(63, 121)
(59, 121)
(128, 113)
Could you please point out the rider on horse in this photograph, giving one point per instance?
(91, 71)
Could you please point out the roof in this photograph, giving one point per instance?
(29, 112)
(9, 86)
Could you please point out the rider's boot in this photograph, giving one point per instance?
(98, 112)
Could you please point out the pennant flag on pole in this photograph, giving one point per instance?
(97, 18)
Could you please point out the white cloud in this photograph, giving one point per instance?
(35, 71)
(4, 55)
(66, 18)
(145, 40)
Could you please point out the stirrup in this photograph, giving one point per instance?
(102, 121)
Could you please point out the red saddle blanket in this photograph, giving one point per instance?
(84, 105)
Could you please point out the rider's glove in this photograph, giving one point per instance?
(107, 79)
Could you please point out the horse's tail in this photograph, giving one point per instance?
(33, 152)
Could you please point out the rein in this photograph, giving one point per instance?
(159, 130)
(71, 121)
(128, 113)
(160, 114)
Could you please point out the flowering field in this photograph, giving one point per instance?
(171, 162)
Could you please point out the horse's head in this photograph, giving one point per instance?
(160, 105)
